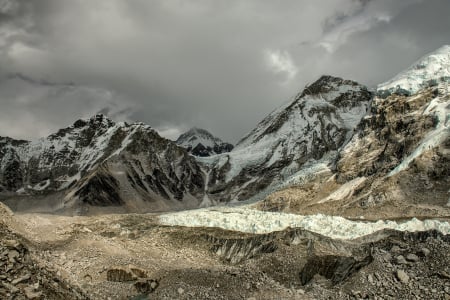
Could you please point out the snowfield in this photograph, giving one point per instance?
(244, 219)
(432, 67)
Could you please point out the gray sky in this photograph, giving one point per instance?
(221, 65)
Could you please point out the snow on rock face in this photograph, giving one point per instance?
(254, 221)
(429, 70)
(318, 121)
(200, 142)
(100, 162)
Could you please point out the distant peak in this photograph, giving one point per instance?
(196, 132)
(201, 142)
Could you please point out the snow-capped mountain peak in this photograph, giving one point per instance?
(200, 142)
(430, 70)
(314, 125)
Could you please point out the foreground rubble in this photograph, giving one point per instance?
(22, 278)
(135, 257)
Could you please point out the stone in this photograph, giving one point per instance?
(139, 273)
(370, 279)
(119, 275)
(12, 255)
(12, 289)
(180, 290)
(31, 294)
(400, 260)
(395, 248)
(13, 244)
(402, 276)
(146, 286)
(424, 252)
(412, 257)
(21, 279)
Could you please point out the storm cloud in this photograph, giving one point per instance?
(173, 64)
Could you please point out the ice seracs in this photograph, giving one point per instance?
(253, 221)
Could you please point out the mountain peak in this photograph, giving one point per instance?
(200, 142)
(430, 70)
(325, 84)
(95, 120)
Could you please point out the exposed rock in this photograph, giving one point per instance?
(336, 268)
(424, 252)
(119, 275)
(25, 278)
(400, 260)
(146, 286)
(412, 257)
(402, 276)
(30, 293)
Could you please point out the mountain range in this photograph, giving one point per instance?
(337, 142)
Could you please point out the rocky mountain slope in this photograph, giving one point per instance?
(313, 126)
(398, 162)
(340, 147)
(200, 142)
(96, 162)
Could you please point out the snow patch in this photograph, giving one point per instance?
(345, 190)
(441, 109)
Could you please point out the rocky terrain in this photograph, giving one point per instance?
(200, 142)
(135, 257)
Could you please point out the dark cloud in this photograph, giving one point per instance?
(221, 65)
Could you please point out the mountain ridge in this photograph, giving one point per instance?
(324, 131)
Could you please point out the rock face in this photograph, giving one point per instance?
(400, 152)
(97, 162)
(200, 142)
(317, 123)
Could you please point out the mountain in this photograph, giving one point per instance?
(337, 148)
(316, 124)
(97, 162)
(200, 142)
(397, 164)
(430, 70)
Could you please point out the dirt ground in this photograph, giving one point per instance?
(95, 255)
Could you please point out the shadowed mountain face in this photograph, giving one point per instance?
(101, 163)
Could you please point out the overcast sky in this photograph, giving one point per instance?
(220, 64)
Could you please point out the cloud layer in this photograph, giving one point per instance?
(221, 65)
